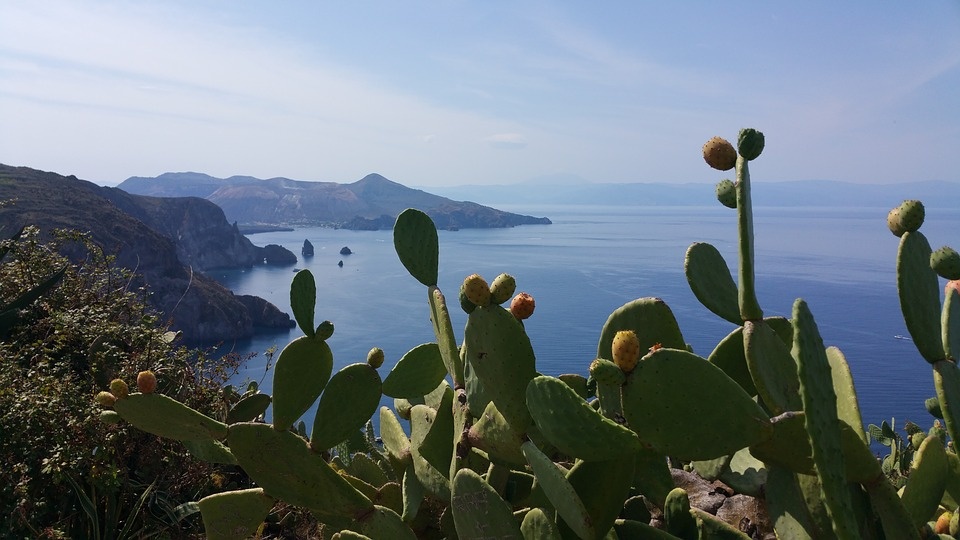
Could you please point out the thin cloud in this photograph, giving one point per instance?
(507, 141)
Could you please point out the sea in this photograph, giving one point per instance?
(592, 260)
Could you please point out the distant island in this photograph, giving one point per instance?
(371, 203)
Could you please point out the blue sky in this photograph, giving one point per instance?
(492, 92)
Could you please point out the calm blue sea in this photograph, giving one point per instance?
(593, 259)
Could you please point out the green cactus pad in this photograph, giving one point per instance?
(710, 526)
(249, 408)
(537, 526)
(729, 354)
(710, 280)
(412, 495)
(823, 425)
(234, 514)
(946, 263)
(750, 143)
(391, 496)
(578, 383)
(789, 447)
(603, 487)
(493, 434)
(478, 510)
(210, 451)
(746, 282)
(786, 507)
(671, 401)
(417, 373)
(349, 535)
(711, 469)
(365, 468)
(676, 513)
(848, 408)
(303, 301)
(166, 417)
(950, 323)
(501, 357)
(357, 385)
(416, 242)
(434, 480)
(946, 379)
(385, 523)
(559, 491)
(573, 426)
(925, 486)
(772, 368)
(606, 373)
(436, 446)
(502, 288)
(462, 419)
(302, 371)
(919, 291)
(727, 193)
(443, 330)
(745, 474)
(285, 467)
(894, 519)
(395, 440)
(650, 319)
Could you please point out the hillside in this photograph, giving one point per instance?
(372, 202)
(166, 241)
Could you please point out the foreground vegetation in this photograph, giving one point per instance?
(479, 445)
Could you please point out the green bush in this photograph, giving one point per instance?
(92, 327)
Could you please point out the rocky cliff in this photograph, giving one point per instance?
(370, 203)
(167, 242)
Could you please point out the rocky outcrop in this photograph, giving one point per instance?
(277, 255)
(345, 251)
(204, 239)
(307, 250)
(263, 314)
(201, 308)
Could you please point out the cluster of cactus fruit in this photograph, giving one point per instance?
(494, 449)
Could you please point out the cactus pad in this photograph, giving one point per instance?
(434, 480)
(919, 291)
(302, 371)
(823, 425)
(303, 301)
(417, 373)
(249, 408)
(946, 263)
(478, 510)
(493, 434)
(234, 514)
(285, 467)
(573, 426)
(650, 319)
(950, 323)
(710, 280)
(558, 490)
(671, 401)
(443, 331)
(501, 357)
(727, 193)
(772, 367)
(603, 487)
(356, 384)
(750, 143)
(418, 246)
(536, 525)
(928, 478)
(502, 288)
(166, 417)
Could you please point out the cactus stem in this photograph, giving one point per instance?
(749, 306)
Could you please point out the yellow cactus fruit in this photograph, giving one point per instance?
(119, 389)
(375, 357)
(106, 399)
(626, 350)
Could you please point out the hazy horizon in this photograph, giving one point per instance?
(455, 93)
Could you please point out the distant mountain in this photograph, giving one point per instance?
(167, 241)
(765, 193)
(370, 203)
